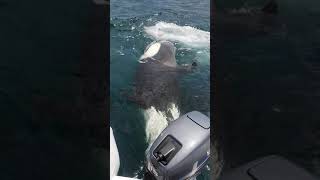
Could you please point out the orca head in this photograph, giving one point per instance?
(161, 51)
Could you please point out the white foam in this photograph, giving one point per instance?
(174, 110)
(187, 35)
(157, 121)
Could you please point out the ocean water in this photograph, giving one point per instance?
(268, 83)
(134, 25)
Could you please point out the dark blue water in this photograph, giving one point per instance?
(128, 41)
(268, 83)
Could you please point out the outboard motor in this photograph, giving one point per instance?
(181, 150)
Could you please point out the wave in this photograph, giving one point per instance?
(187, 35)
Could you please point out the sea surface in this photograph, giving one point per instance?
(134, 25)
(268, 83)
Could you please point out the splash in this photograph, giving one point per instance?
(187, 35)
(174, 110)
(157, 121)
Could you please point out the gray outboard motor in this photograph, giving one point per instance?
(181, 150)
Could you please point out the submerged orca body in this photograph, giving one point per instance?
(156, 77)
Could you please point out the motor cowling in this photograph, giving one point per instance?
(181, 150)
